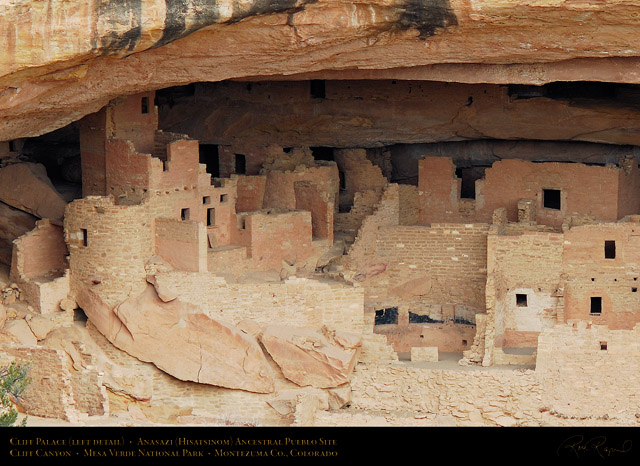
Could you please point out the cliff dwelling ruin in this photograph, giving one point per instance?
(192, 236)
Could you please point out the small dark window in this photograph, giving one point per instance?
(185, 214)
(211, 217)
(551, 199)
(206, 200)
(596, 306)
(317, 88)
(241, 164)
(287, 150)
(210, 157)
(386, 316)
(85, 237)
(467, 183)
(243, 224)
(609, 249)
(521, 300)
(634, 290)
(322, 153)
(603, 346)
(224, 197)
(343, 181)
(11, 146)
(145, 105)
(464, 342)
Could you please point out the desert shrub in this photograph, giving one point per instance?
(14, 380)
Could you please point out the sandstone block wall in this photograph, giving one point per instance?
(584, 190)
(101, 237)
(592, 274)
(55, 391)
(183, 244)
(275, 236)
(526, 271)
(589, 370)
(452, 256)
(297, 301)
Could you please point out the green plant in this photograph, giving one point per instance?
(14, 380)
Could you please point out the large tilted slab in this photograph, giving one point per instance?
(309, 357)
(181, 341)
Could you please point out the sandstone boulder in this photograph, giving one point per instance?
(27, 187)
(201, 349)
(308, 358)
(20, 330)
(13, 224)
(41, 326)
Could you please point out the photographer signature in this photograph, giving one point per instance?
(578, 445)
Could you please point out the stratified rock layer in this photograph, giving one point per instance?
(62, 60)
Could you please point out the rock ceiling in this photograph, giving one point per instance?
(63, 60)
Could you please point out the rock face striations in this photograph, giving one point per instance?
(63, 60)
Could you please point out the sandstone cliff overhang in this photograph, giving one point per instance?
(64, 60)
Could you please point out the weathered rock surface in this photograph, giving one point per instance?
(26, 186)
(41, 326)
(202, 349)
(307, 357)
(117, 378)
(19, 329)
(3, 316)
(404, 112)
(46, 83)
(13, 224)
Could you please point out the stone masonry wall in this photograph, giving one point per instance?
(591, 274)
(528, 265)
(50, 393)
(297, 301)
(590, 370)
(452, 257)
(584, 190)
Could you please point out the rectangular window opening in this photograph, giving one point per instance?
(224, 198)
(551, 199)
(386, 316)
(211, 217)
(603, 346)
(634, 290)
(521, 300)
(317, 88)
(85, 237)
(609, 249)
(596, 305)
(210, 157)
(467, 182)
(323, 153)
(241, 164)
(206, 200)
(185, 214)
(145, 105)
